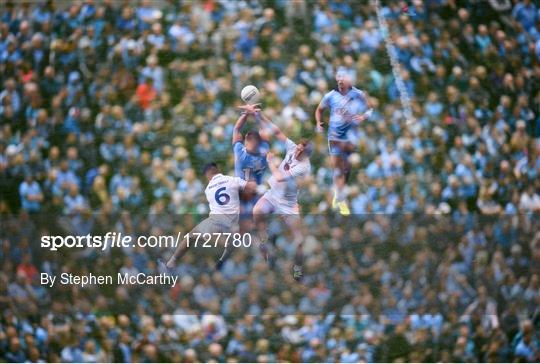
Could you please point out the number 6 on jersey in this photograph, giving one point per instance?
(221, 197)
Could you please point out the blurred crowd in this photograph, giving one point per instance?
(109, 109)
(376, 288)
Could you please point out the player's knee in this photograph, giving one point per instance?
(262, 208)
(258, 210)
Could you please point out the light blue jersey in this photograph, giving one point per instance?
(342, 109)
(250, 167)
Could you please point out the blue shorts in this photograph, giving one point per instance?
(339, 132)
(339, 140)
(340, 147)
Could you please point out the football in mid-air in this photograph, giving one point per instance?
(250, 94)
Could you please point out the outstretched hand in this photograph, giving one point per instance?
(250, 108)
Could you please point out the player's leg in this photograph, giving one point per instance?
(234, 227)
(183, 247)
(339, 175)
(293, 222)
(348, 150)
(249, 200)
(178, 253)
(262, 209)
(338, 154)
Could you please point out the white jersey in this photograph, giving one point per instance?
(222, 194)
(286, 192)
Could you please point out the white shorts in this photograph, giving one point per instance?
(218, 224)
(280, 206)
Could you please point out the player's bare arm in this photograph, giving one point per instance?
(265, 134)
(274, 168)
(272, 128)
(237, 135)
(250, 187)
(364, 116)
(246, 111)
(318, 117)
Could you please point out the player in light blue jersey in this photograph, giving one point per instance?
(348, 107)
(250, 152)
(250, 164)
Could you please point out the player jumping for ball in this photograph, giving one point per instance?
(282, 197)
(223, 198)
(249, 152)
(249, 164)
(348, 107)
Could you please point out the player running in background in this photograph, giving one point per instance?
(282, 197)
(223, 198)
(348, 107)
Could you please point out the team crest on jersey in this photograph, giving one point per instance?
(288, 163)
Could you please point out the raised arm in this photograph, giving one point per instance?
(237, 135)
(248, 109)
(270, 127)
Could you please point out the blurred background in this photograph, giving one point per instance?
(109, 109)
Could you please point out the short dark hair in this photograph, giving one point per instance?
(212, 166)
(308, 146)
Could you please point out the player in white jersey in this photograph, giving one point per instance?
(223, 195)
(283, 193)
(348, 107)
(282, 197)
